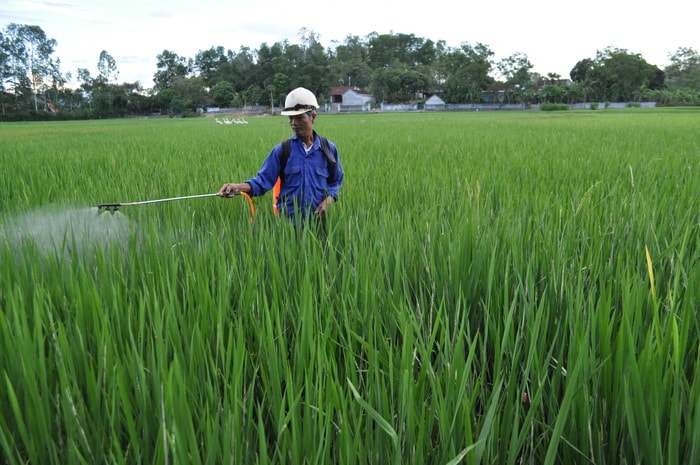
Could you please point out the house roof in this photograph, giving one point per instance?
(435, 100)
(340, 90)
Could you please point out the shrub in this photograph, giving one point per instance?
(553, 107)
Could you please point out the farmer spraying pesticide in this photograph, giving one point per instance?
(304, 170)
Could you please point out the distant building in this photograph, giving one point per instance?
(434, 103)
(346, 98)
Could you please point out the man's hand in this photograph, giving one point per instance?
(229, 189)
(323, 206)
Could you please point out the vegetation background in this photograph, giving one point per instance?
(395, 68)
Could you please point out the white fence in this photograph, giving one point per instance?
(441, 107)
(456, 107)
(610, 105)
(510, 107)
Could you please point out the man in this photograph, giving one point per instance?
(307, 165)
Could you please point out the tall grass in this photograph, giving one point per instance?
(493, 288)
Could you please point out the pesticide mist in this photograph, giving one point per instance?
(65, 234)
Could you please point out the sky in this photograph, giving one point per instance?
(554, 35)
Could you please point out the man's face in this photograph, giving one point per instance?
(302, 124)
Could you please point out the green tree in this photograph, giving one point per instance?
(190, 95)
(585, 76)
(212, 65)
(255, 95)
(553, 92)
(349, 65)
(620, 76)
(86, 84)
(140, 104)
(70, 100)
(5, 71)
(684, 70)
(515, 69)
(464, 73)
(553, 89)
(223, 94)
(314, 70)
(170, 67)
(270, 61)
(105, 96)
(28, 63)
(278, 89)
(107, 68)
(167, 101)
(399, 83)
(407, 49)
(242, 74)
(582, 70)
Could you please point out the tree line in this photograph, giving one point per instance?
(395, 68)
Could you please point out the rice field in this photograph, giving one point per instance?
(492, 288)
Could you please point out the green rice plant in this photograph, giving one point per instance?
(515, 288)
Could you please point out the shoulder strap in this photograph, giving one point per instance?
(330, 159)
(286, 150)
(326, 148)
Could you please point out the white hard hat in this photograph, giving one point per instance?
(299, 101)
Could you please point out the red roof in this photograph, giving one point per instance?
(340, 90)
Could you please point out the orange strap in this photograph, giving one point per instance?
(275, 195)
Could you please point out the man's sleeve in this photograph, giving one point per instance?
(267, 176)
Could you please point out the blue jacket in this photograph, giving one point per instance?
(307, 180)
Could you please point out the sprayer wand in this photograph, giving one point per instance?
(115, 206)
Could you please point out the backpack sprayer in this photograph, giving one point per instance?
(113, 207)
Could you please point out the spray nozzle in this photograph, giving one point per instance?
(109, 207)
